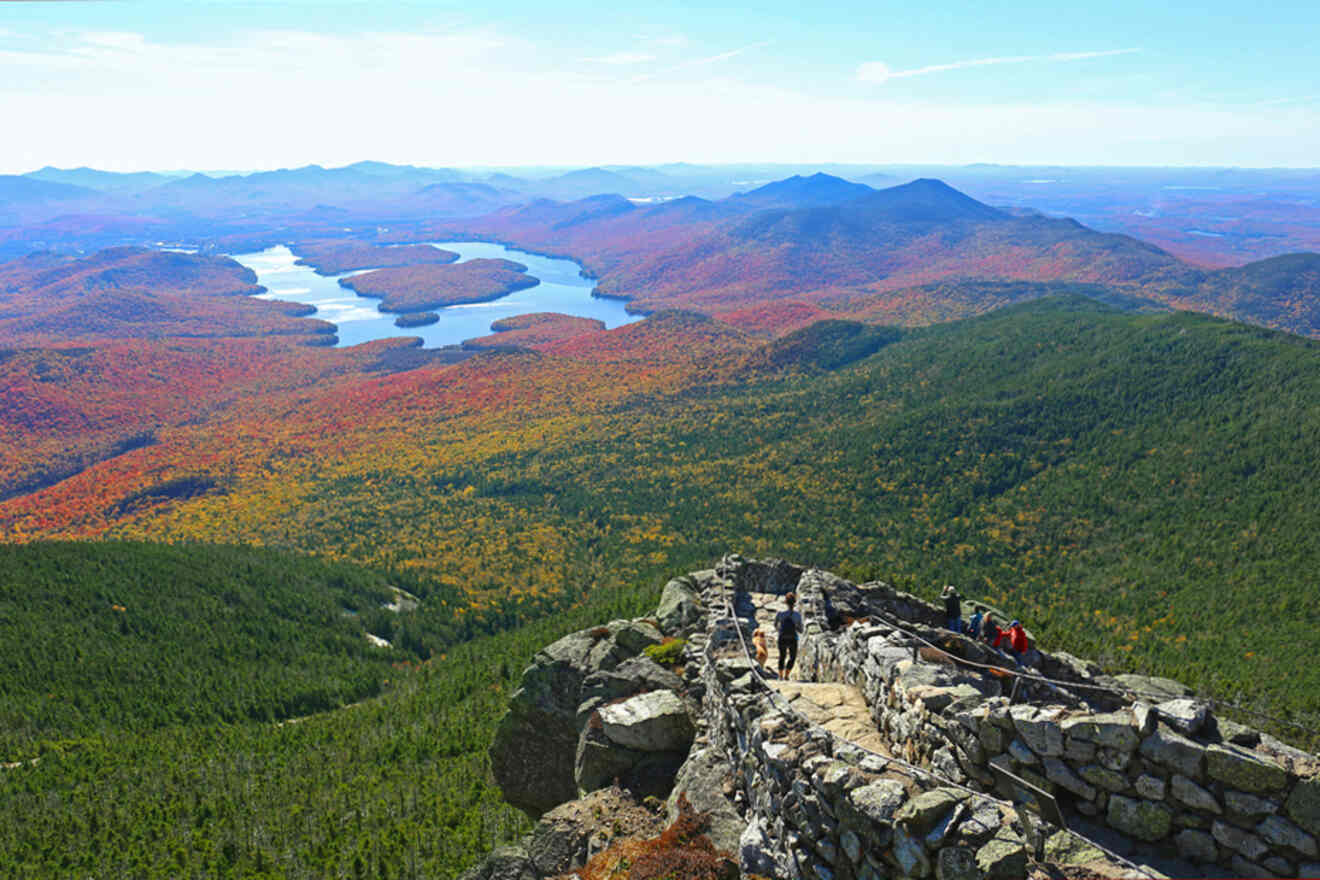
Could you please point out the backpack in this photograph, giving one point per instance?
(785, 627)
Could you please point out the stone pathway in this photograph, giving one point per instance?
(839, 708)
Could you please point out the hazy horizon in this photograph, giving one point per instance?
(150, 86)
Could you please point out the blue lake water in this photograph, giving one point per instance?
(357, 319)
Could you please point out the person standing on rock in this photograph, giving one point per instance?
(788, 623)
(973, 628)
(1017, 641)
(952, 609)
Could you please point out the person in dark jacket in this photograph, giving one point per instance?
(991, 632)
(788, 623)
(952, 609)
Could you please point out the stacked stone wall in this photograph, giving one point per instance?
(819, 808)
(1162, 771)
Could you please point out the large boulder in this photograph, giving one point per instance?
(702, 780)
(510, 862)
(652, 722)
(572, 832)
(641, 742)
(534, 748)
(680, 606)
(633, 676)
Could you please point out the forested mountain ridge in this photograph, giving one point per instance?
(1096, 469)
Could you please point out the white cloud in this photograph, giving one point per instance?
(476, 97)
(879, 72)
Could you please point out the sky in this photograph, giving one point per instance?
(125, 85)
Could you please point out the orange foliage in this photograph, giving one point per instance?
(534, 329)
(417, 288)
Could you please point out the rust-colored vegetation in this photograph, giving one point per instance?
(525, 331)
(680, 852)
(418, 288)
(331, 257)
(138, 293)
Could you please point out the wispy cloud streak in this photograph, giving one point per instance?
(878, 71)
(701, 62)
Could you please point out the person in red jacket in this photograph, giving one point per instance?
(1017, 641)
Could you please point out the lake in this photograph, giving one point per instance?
(357, 318)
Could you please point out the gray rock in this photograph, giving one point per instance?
(1281, 866)
(1023, 755)
(939, 832)
(956, 863)
(534, 748)
(1061, 775)
(756, 851)
(992, 739)
(1114, 730)
(1248, 805)
(1196, 846)
(1077, 750)
(652, 722)
(508, 862)
(1244, 769)
(978, 827)
(1152, 788)
(1184, 715)
(1280, 832)
(1248, 868)
(1175, 752)
(701, 779)
(909, 854)
(632, 676)
(1238, 734)
(879, 800)
(1153, 688)
(680, 606)
(852, 846)
(1039, 729)
(1242, 842)
(1002, 856)
(1303, 805)
(1112, 780)
(1189, 794)
(600, 761)
(1062, 848)
(1145, 820)
(921, 813)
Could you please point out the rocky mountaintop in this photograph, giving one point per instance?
(901, 749)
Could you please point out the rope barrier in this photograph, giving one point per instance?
(777, 697)
(1123, 692)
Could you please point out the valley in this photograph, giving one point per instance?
(904, 383)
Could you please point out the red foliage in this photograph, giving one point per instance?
(417, 288)
(534, 329)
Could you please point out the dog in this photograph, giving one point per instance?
(762, 652)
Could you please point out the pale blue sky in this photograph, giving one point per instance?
(132, 85)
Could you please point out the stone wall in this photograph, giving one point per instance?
(1163, 770)
(1159, 777)
(821, 809)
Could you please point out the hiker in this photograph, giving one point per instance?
(973, 627)
(788, 623)
(833, 619)
(1017, 641)
(952, 609)
(991, 632)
